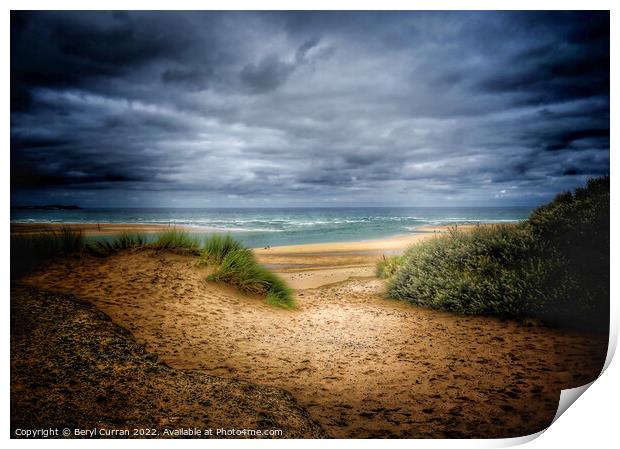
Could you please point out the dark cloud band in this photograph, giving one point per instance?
(313, 108)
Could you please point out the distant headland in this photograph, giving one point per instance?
(48, 207)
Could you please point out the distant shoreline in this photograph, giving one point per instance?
(106, 229)
(324, 262)
(361, 252)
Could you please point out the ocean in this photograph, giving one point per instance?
(286, 226)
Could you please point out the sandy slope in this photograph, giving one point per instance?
(362, 365)
(71, 367)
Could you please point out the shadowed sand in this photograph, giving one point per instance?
(88, 229)
(71, 366)
(362, 365)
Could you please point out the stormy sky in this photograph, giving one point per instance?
(200, 109)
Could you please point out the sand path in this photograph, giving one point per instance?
(362, 365)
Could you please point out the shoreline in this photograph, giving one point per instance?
(107, 229)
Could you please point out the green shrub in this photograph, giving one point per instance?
(554, 266)
(575, 226)
(388, 266)
(238, 267)
(29, 251)
(216, 247)
(176, 239)
(485, 271)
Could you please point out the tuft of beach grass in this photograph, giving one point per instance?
(30, 251)
(237, 266)
(175, 239)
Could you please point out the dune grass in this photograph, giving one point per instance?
(175, 239)
(216, 247)
(125, 240)
(554, 266)
(30, 251)
(233, 263)
(237, 266)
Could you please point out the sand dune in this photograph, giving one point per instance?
(362, 365)
(72, 367)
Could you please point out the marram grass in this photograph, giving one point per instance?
(175, 239)
(216, 247)
(125, 240)
(233, 263)
(237, 266)
(30, 251)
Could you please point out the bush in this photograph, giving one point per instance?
(387, 267)
(237, 266)
(575, 227)
(30, 251)
(554, 266)
(485, 271)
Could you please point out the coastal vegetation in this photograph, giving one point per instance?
(168, 240)
(232, 262)
(30, 251)
(124, 240)
(553, 266)
(217, 247)
(236, 265)
(387, 266)
(176, 239)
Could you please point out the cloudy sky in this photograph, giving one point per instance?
(306, 109)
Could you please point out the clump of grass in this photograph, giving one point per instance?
(29, 251)
(124, 240)
(387, 267)
(554, 266)
(176, 239)
(237, 266)
(216, 247)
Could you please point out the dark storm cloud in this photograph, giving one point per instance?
(271, 71)
(147, 108)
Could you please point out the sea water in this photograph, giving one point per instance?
(286, 226)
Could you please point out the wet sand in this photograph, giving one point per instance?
(363, 366)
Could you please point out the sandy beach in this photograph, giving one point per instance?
(302, 266)
(361, 365)
(90, 230)
(95, 229)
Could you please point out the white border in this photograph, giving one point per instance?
(592, 422)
